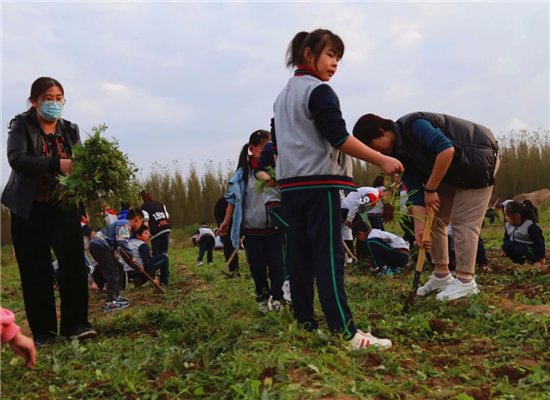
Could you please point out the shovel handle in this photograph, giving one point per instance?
(425, 236)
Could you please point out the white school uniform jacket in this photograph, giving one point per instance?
(365, 196)
(394, 241)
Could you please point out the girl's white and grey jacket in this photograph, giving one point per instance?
(307, 130)
(520, 233)
(249, 216)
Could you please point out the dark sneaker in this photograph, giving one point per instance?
(115, 305)
(82, 333)
(43, 340)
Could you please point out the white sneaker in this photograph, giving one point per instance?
(457, 289)
(435, 283)
(286, 291)
(199, 263)
(276, 305)
(362, 340)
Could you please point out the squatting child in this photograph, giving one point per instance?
(388, 252)
(523, 238)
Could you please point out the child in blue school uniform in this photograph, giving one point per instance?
(523, 238)
(312, 146)
(102, 248)
(246, 213)
(140, 250)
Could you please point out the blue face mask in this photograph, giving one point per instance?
(50, 110)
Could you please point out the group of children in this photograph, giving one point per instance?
(130, 233)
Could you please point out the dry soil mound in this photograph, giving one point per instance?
(538, 197)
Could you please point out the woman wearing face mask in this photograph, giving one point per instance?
(39, 149)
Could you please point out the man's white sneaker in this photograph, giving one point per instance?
(435, 283)
(457, 289)
(362, 340)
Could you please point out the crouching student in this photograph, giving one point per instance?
(103, 247)
(141, 254)
(388, 252)
(523, 238)
(205, 239)
(361, 201)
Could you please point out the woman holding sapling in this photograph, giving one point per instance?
(39, 149)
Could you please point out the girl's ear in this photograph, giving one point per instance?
(249, 151)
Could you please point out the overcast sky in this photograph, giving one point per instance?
(187, 82)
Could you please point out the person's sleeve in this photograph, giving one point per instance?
(414, 185)
(266, 158)
(230, 195)
(18, 156)
(145, 255)
(535, 232)
(8, 327)
(432, 139)
(325, 108)
(166, 212)
(273, 136)
(352, 204)
(506, 236)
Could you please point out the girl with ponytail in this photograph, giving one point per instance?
(246, 215)
(313, 148)
(523, 238)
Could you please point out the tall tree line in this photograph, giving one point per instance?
(190, 196)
